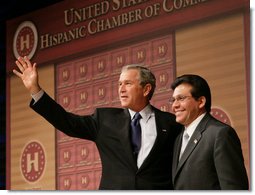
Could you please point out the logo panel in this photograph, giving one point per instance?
(33, 161)
(25, 40)
(221, 115)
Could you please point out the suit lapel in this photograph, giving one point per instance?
(123, 124)
(176, 153)
(193, 142)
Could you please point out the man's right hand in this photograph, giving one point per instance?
(28, 74)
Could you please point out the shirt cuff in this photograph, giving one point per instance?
(37, 96)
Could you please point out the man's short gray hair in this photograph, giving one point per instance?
(146, 76)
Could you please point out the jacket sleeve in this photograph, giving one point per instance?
(72, 125)
(229, 161)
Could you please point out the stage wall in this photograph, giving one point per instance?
(79, 56)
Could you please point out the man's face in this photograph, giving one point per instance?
(132, 95)
(185, 107)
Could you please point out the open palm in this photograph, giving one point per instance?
(28, 74)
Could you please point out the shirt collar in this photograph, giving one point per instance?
(146, 113)
(191, 128)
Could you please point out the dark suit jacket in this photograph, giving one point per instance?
(212, 160)
(109, 129)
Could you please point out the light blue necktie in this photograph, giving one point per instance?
(185, 140)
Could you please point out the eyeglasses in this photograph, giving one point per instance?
(180, 98)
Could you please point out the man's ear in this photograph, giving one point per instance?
(146, 89)
(202, 101)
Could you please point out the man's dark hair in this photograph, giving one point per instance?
(199, 87)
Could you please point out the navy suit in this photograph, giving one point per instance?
(109, 128)
(212, 160)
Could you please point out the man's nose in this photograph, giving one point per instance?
(122, 88)
(175, 104)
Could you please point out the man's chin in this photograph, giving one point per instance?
(123, 105)
(179, 120)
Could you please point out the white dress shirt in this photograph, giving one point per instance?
(37, 96)
(148, 132)
(192, 127)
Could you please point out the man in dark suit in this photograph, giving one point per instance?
(212, 158)
(140, 163)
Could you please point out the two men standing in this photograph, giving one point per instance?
(143, 160)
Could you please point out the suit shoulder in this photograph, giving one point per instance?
(220, 128)
(219, 123)
(110, 110)
(167, 118)
(164, 113)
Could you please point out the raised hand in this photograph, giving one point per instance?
(28, 74)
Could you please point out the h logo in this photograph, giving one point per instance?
(25, 40)
(33, 161)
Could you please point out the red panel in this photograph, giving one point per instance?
(84, 155)
(102, 93)
(66, 158)
(141, 54)
(63, 137)
(162, 50)
(66, 99)
(67, 182)
(83, 71)
(164, 77)
(119, 58)
(114, 90)
(101, 66)
(86, 180)
(83, 97)
(162, 102)
(66, 75)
